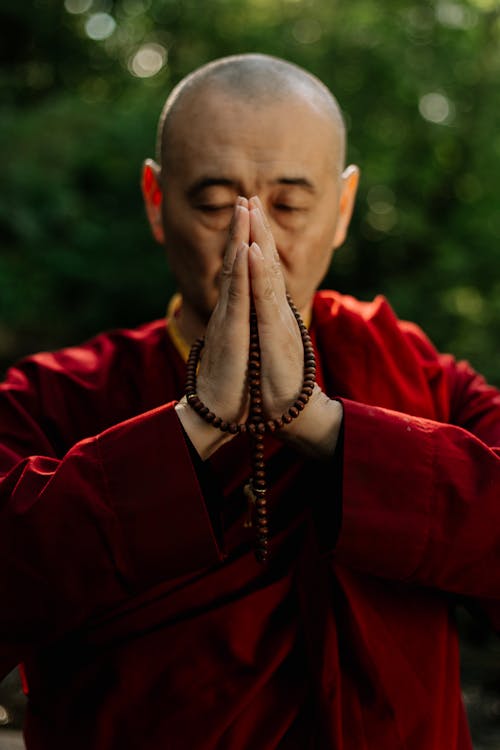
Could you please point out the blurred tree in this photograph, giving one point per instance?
(83, 83)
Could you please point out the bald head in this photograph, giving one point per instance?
(262, 79)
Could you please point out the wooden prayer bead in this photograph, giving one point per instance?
(255, 426)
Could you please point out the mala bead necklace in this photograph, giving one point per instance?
(256, 488)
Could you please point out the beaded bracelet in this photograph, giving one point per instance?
(256, 489)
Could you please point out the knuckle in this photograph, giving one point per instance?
(268, 292)
(233, 295)
(276, 267)
(226, 271)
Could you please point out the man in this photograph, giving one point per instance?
(132, 595)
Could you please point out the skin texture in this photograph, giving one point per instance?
(253, 203)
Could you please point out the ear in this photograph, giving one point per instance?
(152, 194)
(348, 190)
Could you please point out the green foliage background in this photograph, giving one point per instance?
(76, 255)
(418, 82)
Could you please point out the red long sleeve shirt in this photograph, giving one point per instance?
(128, 583)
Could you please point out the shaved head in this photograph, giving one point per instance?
(238, 127)
(263, 79)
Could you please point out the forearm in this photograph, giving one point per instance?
(118, 513)
(420, 502)
(205, 437)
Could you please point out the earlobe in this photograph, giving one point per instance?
(152, 194)
(349, 182)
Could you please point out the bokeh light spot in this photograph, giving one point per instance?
(485, 5)
(467, 301)
(307, 30)
(382, 215)
(77, 6)
(148, 60)
(100, 26)
(380, 198)
(383, 222)
(436, 108)
(419, 24)
(455, 16)
(135, 7)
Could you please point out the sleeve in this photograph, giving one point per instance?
(118, 512)
(421, 498)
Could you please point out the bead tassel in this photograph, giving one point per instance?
(256, 489)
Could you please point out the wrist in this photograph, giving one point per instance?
(205, 438)
(316, 430)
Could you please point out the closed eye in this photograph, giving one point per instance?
(286, 207)
(213, 208)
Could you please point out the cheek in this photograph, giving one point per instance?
(186, 232)
(217, 221)
(315, 231)
(193, 254)
(320, 241)
(307, 245)
(181, 219)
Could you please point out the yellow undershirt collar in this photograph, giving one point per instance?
(173, 329)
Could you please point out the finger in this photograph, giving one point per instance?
(238, 234)
(263, 291)
(260, 229)
(231, 316)
(261, 234)
(271, 305)
(238, 296)
(239, 228)
(221, 381)
(232, 312)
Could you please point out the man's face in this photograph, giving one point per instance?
(222, 147)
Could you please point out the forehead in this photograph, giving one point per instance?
(244, 138)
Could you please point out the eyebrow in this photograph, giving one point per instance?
(205, 182)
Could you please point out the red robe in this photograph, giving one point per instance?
(129, 587)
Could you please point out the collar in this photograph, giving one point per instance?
(178, 340)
